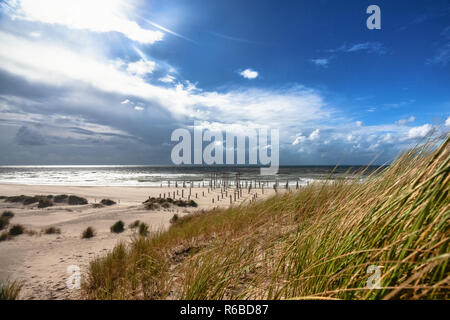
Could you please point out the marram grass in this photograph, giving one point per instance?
(10, 290)
(316, 243)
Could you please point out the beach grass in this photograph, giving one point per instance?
(52, 230)
(134, 224)
(326, 241)
(88, 233)
(10, 290)
(8, 214)
(118, 227)
(107, 202)
(16, 230)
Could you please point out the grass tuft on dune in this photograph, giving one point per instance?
(318, 243)
(10, 290)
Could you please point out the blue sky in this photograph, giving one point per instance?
(106, 82)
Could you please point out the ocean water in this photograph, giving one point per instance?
(155, 176)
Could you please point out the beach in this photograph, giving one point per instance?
(40, 261)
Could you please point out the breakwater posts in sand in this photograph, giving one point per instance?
(224, 184)
(220, 187)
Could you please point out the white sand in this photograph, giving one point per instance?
(40, 261)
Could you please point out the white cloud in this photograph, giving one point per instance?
(58, 65)
(447, 122)
(299, 138)
(314, 135)
(249, 74)
(323, 62)
(419, 132)
(96, 16)
(35, 34)
(141, 67)
(61, 66)
(388, 138)
(167, 79)
(405, 121)
(292, 109)
(371, 47)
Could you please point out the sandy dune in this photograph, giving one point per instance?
(40, 261)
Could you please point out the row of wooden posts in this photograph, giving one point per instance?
(225, 188)
(225, 184)
(237, 194)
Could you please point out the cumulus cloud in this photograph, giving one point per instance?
(314, 135)
(359, 123)
(402, 122)
(167, 79)
(141, 67)
(419, 132)
(301, 138)
(447, 122)
(96, 16)
(87, 100)
(249, 74)
(60, 66)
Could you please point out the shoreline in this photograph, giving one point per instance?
(40, 261)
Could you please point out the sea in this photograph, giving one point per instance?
(157, 176)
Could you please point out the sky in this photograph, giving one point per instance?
(108, 81)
